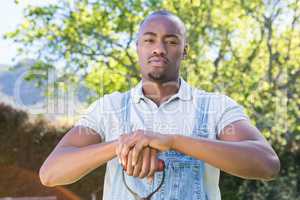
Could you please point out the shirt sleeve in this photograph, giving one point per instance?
(93, 118)
(230, 111)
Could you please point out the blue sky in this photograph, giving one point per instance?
(10, 17)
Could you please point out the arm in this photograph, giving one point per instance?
(240, 150)
(78, 153)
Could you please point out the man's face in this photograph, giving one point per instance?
(160, 48)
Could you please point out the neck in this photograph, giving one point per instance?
(160, 92)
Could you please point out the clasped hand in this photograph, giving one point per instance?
(137, 152)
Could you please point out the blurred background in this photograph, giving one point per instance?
(56, 57)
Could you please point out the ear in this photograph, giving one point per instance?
(136, 44)
(185, 51)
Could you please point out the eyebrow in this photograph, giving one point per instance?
(171, 35)
(150, 33)
(166, 36)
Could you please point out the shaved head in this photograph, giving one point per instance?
(169, 15)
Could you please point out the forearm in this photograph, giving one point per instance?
(68, 164)
(247, 159)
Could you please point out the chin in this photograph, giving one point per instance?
(157, 77)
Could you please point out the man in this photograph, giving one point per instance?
(195, 133)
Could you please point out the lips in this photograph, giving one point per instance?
(158, 61)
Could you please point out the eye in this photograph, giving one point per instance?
(172, 42)
(148, 40)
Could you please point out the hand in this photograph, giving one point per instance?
(146, 166)
(137, 141)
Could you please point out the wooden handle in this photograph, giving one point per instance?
(161, 165)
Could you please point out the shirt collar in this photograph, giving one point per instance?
(184, 93)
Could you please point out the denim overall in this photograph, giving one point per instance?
(183, 174)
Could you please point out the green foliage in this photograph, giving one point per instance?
(285, 187)
(249, 50)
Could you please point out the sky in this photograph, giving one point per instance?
(10, 17)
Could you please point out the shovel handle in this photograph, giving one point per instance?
(161, 165)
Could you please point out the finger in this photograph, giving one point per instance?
(127, 144)
(138, 167)
(129, 167)
(119, 148)
(136, 152)
(153, 162)
(145, 162)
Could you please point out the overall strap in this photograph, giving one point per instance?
(125, 111)
(201, 126)
(201, 115)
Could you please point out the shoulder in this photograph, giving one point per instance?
(215, 102)
(214, 98)
(109, 102)
(104, 101)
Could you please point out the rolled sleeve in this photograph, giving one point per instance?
(93, 118)
(230, 111)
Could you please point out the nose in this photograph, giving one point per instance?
(159, 49)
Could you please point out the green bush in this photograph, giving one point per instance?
(25, 144)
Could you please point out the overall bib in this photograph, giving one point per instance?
(183, 174)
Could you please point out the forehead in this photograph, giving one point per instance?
(161, 25)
